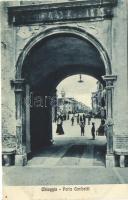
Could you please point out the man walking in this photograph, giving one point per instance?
(72, 120)
(78, 119)
(84, 118)
(82, 126)
(93, 130)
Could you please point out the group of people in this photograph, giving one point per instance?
(102, 130)
(81, 121)
(80, 118)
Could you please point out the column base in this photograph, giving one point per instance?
(8, 156)
(51, 141)
(110, 160)
(122, 161)
(20, 160)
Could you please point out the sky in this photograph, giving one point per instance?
(80, 91)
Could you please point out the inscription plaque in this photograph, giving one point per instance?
(61, 12)
(121, 142)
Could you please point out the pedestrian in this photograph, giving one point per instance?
(93, 130)
(72, 120)
(59, 129)
(84, 118)
(78, 119)
(64, 116)
(61, 117)
(82, 126)
(89, 119)
(81, 119)
(102, 121)
(101, 131)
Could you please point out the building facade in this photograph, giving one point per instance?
(43, 43)
(99, 101)
(71, 106)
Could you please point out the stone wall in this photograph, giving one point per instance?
(120, 67)
(8, 73)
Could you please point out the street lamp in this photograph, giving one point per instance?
(80, 81)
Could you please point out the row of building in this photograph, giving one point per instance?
(99, 101)
(68, 105)
(71, 105)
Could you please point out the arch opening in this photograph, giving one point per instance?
(62, 30)
(45, 65)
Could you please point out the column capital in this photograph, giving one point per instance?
(109, 79)
(109, 121)
(18, 84)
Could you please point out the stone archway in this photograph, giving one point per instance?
(60, 30)
(24, 79)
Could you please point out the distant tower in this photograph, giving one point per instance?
(63, 101)
(63, 94)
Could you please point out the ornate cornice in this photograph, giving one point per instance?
(109, 80)
(61, 12)
(18, 84)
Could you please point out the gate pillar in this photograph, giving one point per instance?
(109, 79)
(21, 156)
(54, 105)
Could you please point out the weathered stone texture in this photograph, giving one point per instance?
(113, 36)
(8, 141)
(8, 73)
(120, 67)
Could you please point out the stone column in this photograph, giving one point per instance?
(109, 118)
(21, 156)
(54, 104)
(53, 107)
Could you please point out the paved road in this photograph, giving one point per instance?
(72, 152)
(71, 149)
(63, 176)
(73, 159)
(74, 131)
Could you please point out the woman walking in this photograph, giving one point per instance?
(59, 129)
